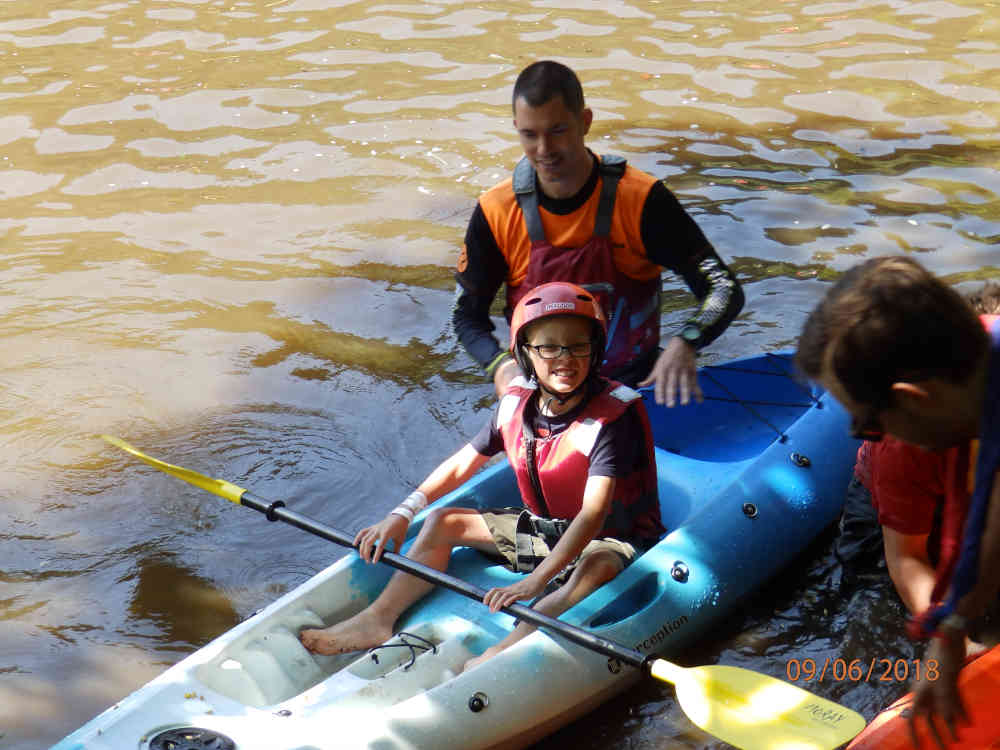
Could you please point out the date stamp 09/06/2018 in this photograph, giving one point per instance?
(860, 670)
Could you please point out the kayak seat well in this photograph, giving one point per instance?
(268, 663)
(274, 668)
(269, 666)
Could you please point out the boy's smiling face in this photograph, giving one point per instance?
(565, 373)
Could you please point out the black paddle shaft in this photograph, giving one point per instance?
(276, 511)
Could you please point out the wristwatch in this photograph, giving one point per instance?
(691, 333)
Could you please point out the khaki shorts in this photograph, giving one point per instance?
(511, 526)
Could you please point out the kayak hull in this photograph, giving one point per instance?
(746, 480)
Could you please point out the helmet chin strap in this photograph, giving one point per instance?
(552, 395)
(563, 398)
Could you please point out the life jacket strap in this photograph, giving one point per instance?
(612, 168)
(529, 526)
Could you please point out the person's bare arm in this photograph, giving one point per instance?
(909, 568)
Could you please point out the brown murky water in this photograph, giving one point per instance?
(226, 233)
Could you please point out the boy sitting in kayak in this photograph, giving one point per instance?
(587, 483)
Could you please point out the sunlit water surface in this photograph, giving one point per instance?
(228, 230)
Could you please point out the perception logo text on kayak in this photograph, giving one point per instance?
(658, 637)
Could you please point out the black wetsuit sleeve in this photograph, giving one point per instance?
(481, 273)
(673, 240)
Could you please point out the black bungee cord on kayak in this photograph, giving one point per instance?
(425, 645)
(746, 403)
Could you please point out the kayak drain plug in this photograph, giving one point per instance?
(191, 738)
(478, 702)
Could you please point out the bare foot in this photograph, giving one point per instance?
(488, 653)
(355, 634)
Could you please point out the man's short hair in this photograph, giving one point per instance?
(545, 79)
(890, 320)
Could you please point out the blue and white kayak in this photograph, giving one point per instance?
(747, 479)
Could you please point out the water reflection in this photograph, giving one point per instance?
(182, 607)
(228, 233)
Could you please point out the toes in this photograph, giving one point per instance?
(309, 639)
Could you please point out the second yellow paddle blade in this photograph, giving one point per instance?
(755, 712)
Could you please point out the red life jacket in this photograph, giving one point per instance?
(563, 461)
(631, 306)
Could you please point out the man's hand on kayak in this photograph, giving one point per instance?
(938, 699)
(674, 374)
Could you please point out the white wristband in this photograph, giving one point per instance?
(416, 501)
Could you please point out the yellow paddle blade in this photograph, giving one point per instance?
(219, 487)
(755, 712)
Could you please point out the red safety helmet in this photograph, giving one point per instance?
(557, 298)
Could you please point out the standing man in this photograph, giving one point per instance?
(569, 215)
(908, 357)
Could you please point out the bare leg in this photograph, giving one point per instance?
(593, 571)
(443, 530)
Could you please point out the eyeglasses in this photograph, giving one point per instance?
(869, 427)
(554, 351)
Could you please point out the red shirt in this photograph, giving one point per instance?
(906, 483)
